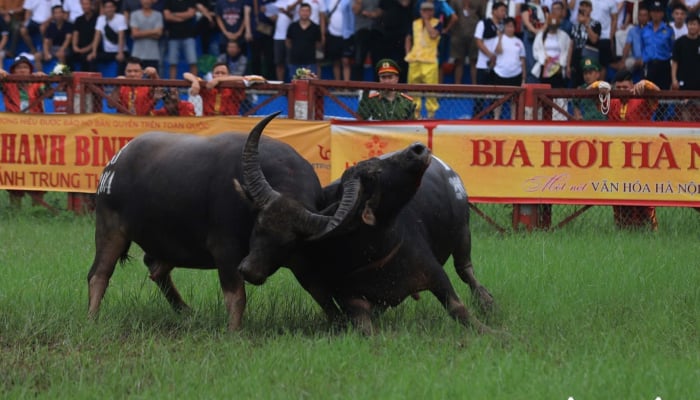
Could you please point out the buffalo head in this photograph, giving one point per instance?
(281, 222)
(369, 193)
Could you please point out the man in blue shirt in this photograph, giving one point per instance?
(657, 46)
(632, 53)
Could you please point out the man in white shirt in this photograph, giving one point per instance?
(486, 35)
(111, 30)
(679, 12)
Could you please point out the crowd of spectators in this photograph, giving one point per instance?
(273, 37)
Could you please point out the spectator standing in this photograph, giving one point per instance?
(173, 105)
(262, 46)
(422, 55)
(550, 49)
(233, 19)
(584, 42)
(83, 37)
(13, 15)
(280, 53)
(486, 35)
(605, 12)
(138, 100)
(509, 68)
(37, 14)
(338, 45)
(23, 97)
(632, 52)
(146, 30)
(109, 43)
(534, 19)
(397, 17)
(217, 100)
(448, 18)
(368, 36)
(684, 65)
(632, 109)
(387, 104)
(179, 17)
(318, 17)
(558, 10)
(303, 39)
(462, 42)
(234, 58)
(679, 13)
(206, 28)
(657, 47)
(58, 37)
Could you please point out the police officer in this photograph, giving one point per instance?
(387, 104)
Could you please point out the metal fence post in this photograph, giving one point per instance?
(532, 215)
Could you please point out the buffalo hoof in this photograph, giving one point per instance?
(484, 300)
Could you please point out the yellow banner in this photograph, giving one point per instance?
(586, 163)
(67, 152)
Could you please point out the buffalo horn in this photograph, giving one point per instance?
(262, 194)
(256, 185)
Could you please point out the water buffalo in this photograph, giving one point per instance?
(173, 195)
(409, 215)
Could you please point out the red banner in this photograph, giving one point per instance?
(67, 153)
(588, 163)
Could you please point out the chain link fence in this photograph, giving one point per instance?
(324, 100)
(621, 106)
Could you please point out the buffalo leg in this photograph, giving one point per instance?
(320, 293)
(445, 293)
(233, 287)
(463, 265)
(160, 274)
(111, 245)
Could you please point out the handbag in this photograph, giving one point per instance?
(111, 35)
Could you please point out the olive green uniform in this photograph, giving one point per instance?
(376, 107)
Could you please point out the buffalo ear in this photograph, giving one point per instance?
(368, 215)
(242, 192)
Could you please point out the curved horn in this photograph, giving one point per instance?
(256, 186)
(324, 225)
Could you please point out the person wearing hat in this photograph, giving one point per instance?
(23, 97)
(422, 58)
(657, 46)
(587, 109)
(387, 104)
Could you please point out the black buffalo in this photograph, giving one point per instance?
(173, 194)
(405, 217)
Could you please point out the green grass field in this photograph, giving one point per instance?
(594, 313)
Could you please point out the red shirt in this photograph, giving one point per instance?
(184, 109)
(632, 110)
(139, 100)
(224, 101)
(13, 97)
